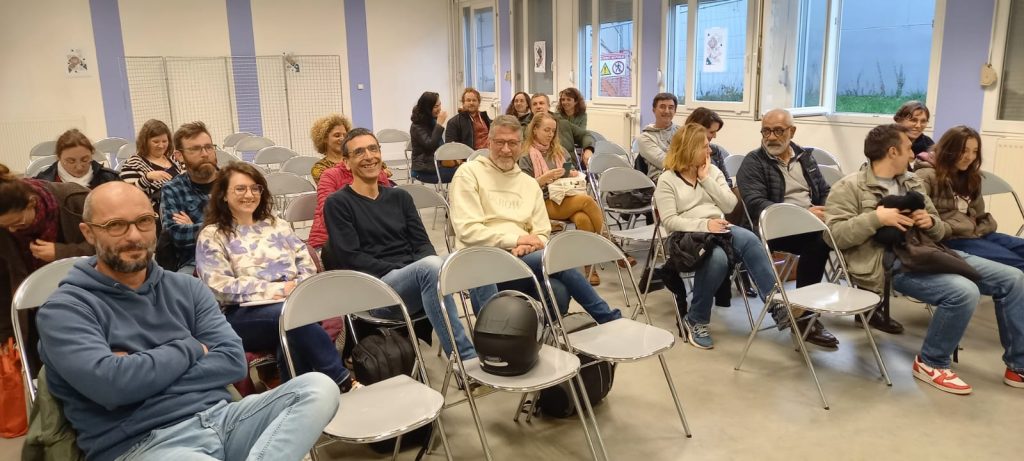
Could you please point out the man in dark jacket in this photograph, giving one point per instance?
(470, 125)
(780, 171)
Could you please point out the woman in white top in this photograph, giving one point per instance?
(692, 196)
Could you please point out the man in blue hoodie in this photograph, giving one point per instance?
(141, 357)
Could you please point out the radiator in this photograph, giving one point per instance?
(1008, 165)
(18, 137)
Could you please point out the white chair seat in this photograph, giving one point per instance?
(622, 340)
(384, 410)
(831, 299)
(637, 233)
(553, 367)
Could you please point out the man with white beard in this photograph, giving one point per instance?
(184, 198)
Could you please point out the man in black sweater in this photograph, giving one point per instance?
(378, 231)
(780, 171)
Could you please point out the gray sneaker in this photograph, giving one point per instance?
(698, 335)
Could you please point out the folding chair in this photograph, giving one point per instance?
(994, 185)
(251, 144)
(125, 152)
(732, 165)
(824, 158)
(597, 136)
(300, 209)
(39, 164)
(424, 197)
(273, 158)
(830, 173)
(285, 186)
(622, 340)
(43, 149)
(109, 148)
(623, 179)
(600, 163)
(823, 298)
(396, 159)
(224, 158)
(301, 165)
(449, 151)
(232, 139)
(485, 152)
(30, 295)
(380, 410)
(608, 147)
(462, 271)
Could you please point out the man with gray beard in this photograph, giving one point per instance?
(184, 198)
(140, 357)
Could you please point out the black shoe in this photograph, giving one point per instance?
(656, 281)
(750, 292)
(818, 335)
(880, 323)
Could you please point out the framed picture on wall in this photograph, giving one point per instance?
(75, 64)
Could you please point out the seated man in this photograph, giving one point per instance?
(141, 358)
(495, 204)
(378, 230)
(655, 138)
(184, 198)
(853, 217)
(780, 171)
(569, 135)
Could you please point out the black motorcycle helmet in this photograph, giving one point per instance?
(507, 334)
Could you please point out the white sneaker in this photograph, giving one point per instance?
(941, 378)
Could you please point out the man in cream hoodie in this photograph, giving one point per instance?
(493, 203)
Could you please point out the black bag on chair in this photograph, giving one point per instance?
(598, 378)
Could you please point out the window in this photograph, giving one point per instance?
(534, 43)
(612, 66)
(1011, 93)
(794, 55)
(677, 39)
(478, 46)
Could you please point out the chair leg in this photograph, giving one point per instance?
(746, 302)
(398, 448)
(476, 419)
(519, 408)
(750, 339)
(874, 348)
(576, 398)
(675, 395)
(803, 351)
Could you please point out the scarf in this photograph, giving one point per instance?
(43, 228)
(65, 176)
(540, 166)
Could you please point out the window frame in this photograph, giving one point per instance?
(524, 61)
(594, 98)
(470, 54)
(990, 121)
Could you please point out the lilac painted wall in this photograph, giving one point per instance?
(965, 43)
(650, 54)
(358, 63)
(505, 34)
(245, 76)
(106, 30)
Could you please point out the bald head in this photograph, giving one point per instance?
(114, 200)
(778, 116)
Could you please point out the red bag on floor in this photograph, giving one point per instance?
(13, 419)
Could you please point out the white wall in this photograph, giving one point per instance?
(408, 43)
(37, 99)
(178, 28)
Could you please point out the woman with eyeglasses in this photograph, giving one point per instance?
(692, 196)
(75, 162)
(914, 116)
(426, 132)
(252, 262)
(153, 165)
(39, 223)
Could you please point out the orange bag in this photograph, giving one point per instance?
(13, 419)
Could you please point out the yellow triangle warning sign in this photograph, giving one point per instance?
(605, 70)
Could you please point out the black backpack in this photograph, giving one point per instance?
(381, 356)
(598, 378)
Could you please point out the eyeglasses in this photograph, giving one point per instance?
(119, 227)
(362, 151)
(241, 189)
(211, 148)
(511, 143)
(777, 131)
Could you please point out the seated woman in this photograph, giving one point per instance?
(520, 107)
(691, 196)
(244, 254)
(39, 223)
(327, 133)
(470, 125)
(75, 164)
(426, 136)
(914, 116)
(544, 159)
(954, 185)
(572, 107)
(152, 166)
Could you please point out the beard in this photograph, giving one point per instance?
(112, 256)
(776, 149)
(202, 172)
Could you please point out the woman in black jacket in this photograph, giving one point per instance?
(426, 130)
(75, 163)
(470, 125)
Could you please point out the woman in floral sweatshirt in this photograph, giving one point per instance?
(247, 256)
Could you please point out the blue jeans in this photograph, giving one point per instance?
(997, 247)
(431, 178)
(282, 423)
(416, 284)
(579, 289)
(955, 298)
(709, 276)
(311, 346)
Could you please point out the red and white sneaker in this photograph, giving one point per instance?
(1013, 378)
(941, 378)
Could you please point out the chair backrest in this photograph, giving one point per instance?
(43, 149)
(599, 163)
(301, 165)
(390, 135)
(109, 146)
(424, 197)
(274, 155)
(288, 184)
(224, 158)
(301, 208)
(574, 248)
(124, 152)
(733, 163)
(252, 144)
(608, 147)
(462, 270)
(452, 151)
(830, 173)
(232, 139)
(824, 158)
(485, 152)
(39, 164)
(32, 293)
(785, 219)
(394, 147)
(620, 178)
(994, 185)
(597, 136)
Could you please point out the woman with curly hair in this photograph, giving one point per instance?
(152, 166)
(327, 133)
(572, 107)
(252, 262)
(520, 107)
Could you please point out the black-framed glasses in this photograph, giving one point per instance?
(211, 148)
(777, 131)
(119, 227)
(241, 189)
(362, 151)
(511, 143)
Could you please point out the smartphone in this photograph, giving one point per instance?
(567, 166)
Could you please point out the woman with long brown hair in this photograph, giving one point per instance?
(953, 182)
(252, 262)
(152, 165)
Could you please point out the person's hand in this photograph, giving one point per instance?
(181, 218)
(818, 211)
(587, 153)
(574, 174)
(522, 250)
(43, 250)
(157, 176)
(206, 350)
(441, 117)
(120, 353)
(532, 240)
(550, 176)
(718, 225)
(922, 219)
(288, 287)
(703, 170)
(893, 217)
